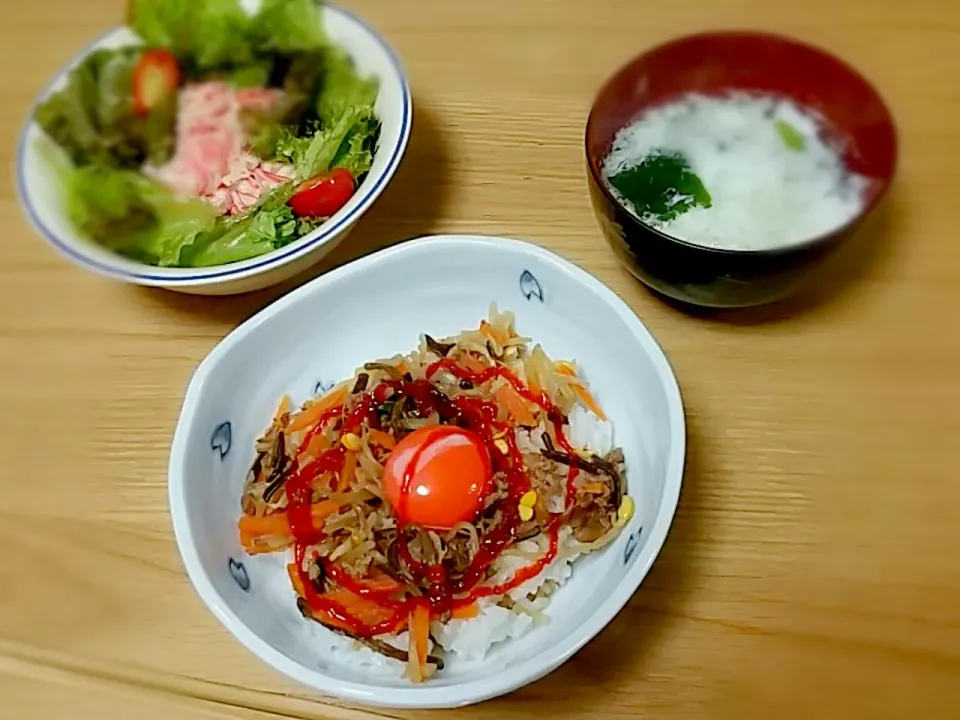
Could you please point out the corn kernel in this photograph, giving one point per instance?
(502, 446)
(625, 511)
(529, 498)
(351, 442)
(526, 512)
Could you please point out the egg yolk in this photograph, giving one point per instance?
(437, 476)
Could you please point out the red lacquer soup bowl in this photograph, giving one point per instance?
(858, 124)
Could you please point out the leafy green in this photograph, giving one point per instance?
(134, 215)
(203, 35)
(790, 136)
(317, 153)
(220, 37)
(179, 224)
(294, 112)
(288, 26)
(343, 88)
(109, 205)
(280, 226)
(285, 144)
(350, 144)
(268, 225)
(252, 235)
(250, 76)
(218, 27)
(230, 242)
(92, 117)
(662, 186)
(322, 90)
(161, 24)
(356, 152)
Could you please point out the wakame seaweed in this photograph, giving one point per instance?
(662, 187)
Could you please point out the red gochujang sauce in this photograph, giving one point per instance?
(442, 592)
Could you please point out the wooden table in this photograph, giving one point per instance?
(813, 569)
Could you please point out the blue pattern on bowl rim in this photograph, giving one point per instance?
(238, 571)
(530, 286)
(222, 438)
(321, 387)
(633, 542)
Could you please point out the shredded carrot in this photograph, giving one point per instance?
(364, 609)
(250, 546)
(349, 472)
(472, 364)
(253, 527)
(360, 608)
(494, 333)
(413, 672)
(319, 614)
(318, 443)
(420, 630)
(308, 417)
(593, 488)
(465, 612)
(283, 407)
(565, 368)
(402, 367)
(329, 620)
(383, 439)
(510, 399)
(295, 579)
(419, 636)
(381, 582)
(588, 400)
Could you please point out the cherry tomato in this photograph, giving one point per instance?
(155, 76)
(437, 476)
(323, 194)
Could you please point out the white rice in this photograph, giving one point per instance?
(470, 640)
(589, 432)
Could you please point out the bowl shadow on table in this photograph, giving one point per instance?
(410, 206)
(833, 283)
(620, 655)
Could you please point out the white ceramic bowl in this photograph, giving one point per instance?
(375, 307)
(45, 208)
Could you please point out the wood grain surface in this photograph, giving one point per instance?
(813, 570)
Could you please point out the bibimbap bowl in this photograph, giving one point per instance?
(43, 193)
(313, 341)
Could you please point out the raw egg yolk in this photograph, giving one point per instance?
(437, 476)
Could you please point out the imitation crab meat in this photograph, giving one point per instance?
(212, 160)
